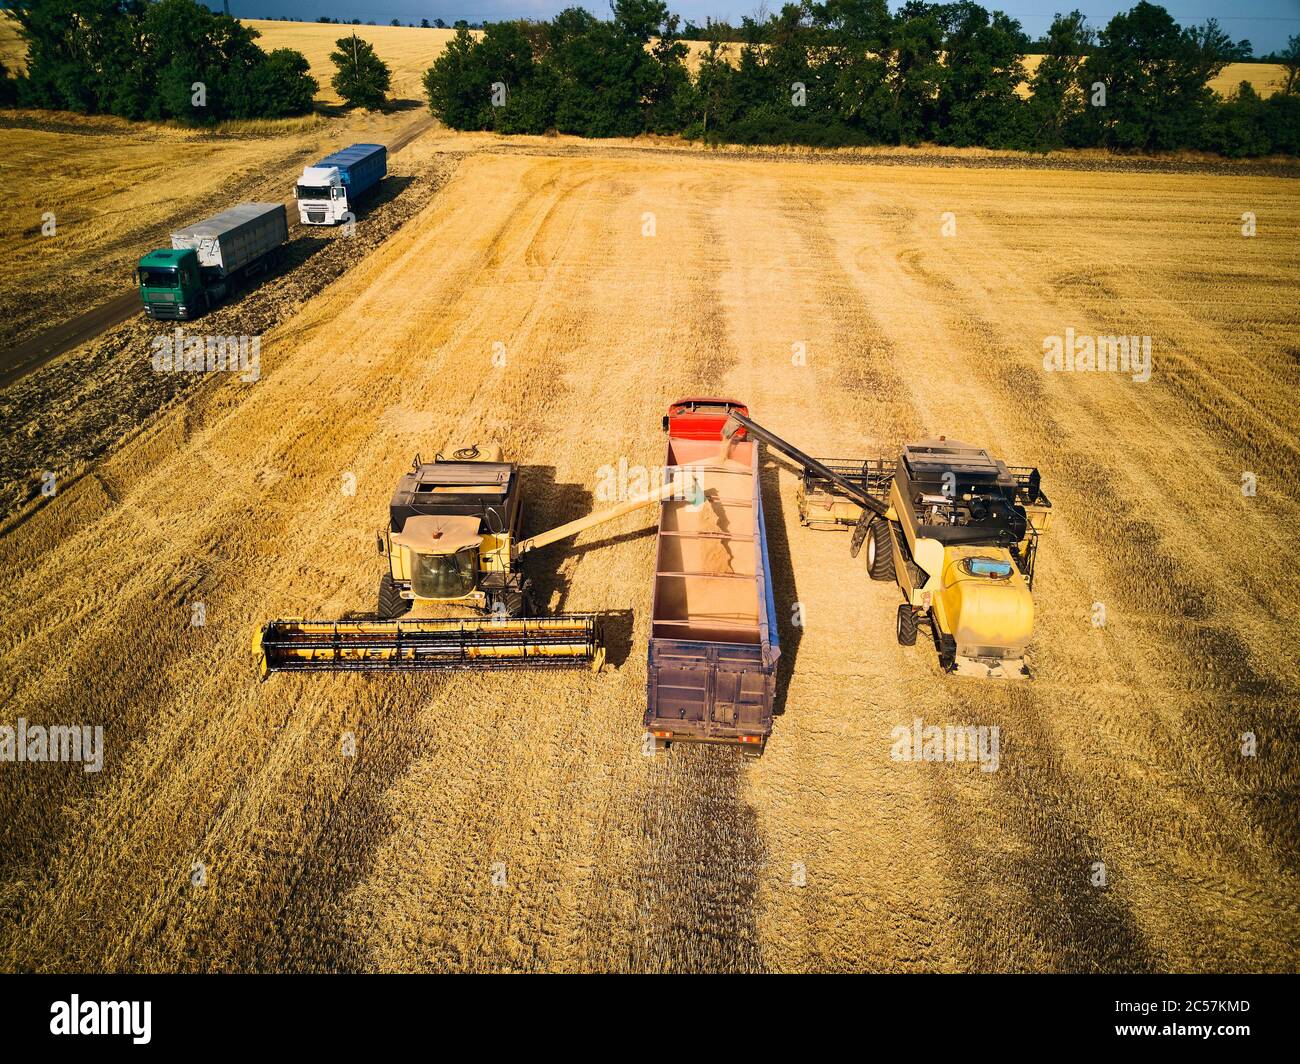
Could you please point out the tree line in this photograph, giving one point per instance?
(848, 72)
(170, 59)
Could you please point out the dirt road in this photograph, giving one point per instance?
(511, 823)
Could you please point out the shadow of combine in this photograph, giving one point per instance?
(616, 634)
(1075, 924)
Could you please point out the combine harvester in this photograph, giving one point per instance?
(957, 530)
(453, 539)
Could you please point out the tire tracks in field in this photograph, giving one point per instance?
(1035, 818)
(682, 899)
(267, 525)
(318, 905)
(1179, 594)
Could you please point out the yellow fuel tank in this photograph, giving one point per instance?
(984, 603)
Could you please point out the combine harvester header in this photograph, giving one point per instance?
(561, 641)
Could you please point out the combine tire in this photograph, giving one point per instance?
(880, 551)
(391, 603)
(517, 602)
(906, 626)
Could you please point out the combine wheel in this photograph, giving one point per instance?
(391, 603)
(517, 602)
(880, 551)
(906, 626)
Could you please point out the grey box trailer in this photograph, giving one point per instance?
(230, 241)
(713, 651)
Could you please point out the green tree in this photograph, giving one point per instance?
(915, 72)
(8, 88)
(1057, 101)
(1156, 79)
(1238, 125)
(983, 64)
(853, 37)
(169, 59)
(361, 78)
(457, 86)
(284, 85)
(1290, 60)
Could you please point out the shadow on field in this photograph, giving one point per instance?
(354, 825)
(1032, 895)
(548, 505)
(616, 631)
(389, 189)
(696, 889)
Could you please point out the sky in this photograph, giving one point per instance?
(1265, 23)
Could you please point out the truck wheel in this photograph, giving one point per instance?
(880, 551)
(391, 603)
(906, 626)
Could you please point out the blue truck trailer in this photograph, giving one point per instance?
(713, 642)
(327, 192)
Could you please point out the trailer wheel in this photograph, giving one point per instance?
(906, 625)
(880, 551)
(391, 603)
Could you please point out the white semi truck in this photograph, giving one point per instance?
(328, 191)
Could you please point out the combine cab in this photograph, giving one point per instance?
(452, 526)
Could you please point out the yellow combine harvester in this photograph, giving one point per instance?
(452, 539)
(955, 528)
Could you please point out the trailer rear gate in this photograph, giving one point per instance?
(713, 646)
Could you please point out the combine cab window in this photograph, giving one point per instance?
(157, 277)
(988, 567)
(445, 576)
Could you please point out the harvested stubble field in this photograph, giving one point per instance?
(824, 855)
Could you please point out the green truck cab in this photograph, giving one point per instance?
(170, 285)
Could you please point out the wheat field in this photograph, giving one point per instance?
(510, 822)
